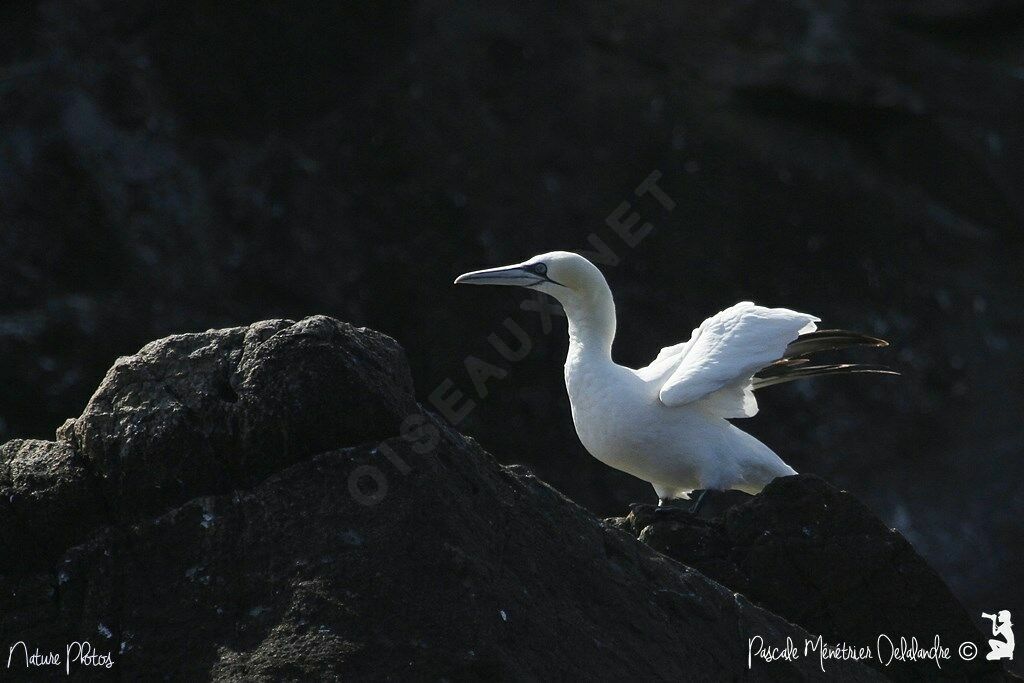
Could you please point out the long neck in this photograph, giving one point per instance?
(591, 322)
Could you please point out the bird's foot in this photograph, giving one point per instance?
(695, 508)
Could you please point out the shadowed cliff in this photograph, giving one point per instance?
(269, 502)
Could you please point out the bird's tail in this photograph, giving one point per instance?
(795, 363)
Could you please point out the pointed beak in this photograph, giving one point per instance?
(505, 275)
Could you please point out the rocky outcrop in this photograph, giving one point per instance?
(197, 414)
(48, 502)
(817, 557)
(269, 503)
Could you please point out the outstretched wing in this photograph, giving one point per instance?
(718, 362)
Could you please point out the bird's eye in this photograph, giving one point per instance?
(539, 268)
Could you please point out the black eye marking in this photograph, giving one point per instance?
(541, 271)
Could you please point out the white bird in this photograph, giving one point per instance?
(668, 423)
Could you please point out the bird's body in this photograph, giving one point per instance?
(668, 423)
(621, 421)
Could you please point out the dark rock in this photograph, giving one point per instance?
(463, 570)
(409, 555)
(818, 557)
(198, 414)
(48, 502)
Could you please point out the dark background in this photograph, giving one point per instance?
(170, 167)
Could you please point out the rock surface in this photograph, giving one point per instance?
(48, 502)
(819, 558)
(206, 413)
(269, 503)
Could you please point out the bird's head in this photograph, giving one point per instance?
(562, 274)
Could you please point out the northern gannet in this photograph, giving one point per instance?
(668, 423)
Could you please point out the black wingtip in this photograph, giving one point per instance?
(830, 340)
(791, 373)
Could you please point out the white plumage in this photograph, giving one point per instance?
(722, 355)
(667, 423)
